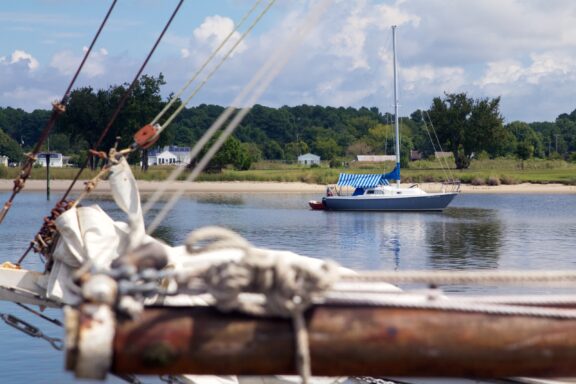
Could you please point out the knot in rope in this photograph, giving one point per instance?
(260, 283)
(263, 283)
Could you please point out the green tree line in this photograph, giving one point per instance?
(465, 126)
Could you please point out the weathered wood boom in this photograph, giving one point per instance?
(344, 340)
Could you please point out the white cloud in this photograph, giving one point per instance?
(30, 98)
(19, 56)
(435, 79)
(66, 62)
(365, 19)
(213, 31)
(502, 72)
(542, 67)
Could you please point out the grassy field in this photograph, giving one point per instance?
(494, 172)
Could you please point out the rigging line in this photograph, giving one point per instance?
(113, 117)
(205, 64)
(448, 177)
(230, 51)
(57, 109)
(41, 315)
(260, 83)
(124, 98)
(443, 161)
(440, 146)
(213, 128)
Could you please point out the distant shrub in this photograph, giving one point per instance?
(3, 172)
(493, 180)
(509, 180)
(483, 155)
(315, 166)
(478, 181)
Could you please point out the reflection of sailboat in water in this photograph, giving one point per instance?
(470, 239)
(218, 305)
(373, 192)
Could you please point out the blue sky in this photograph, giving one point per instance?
(523, 51)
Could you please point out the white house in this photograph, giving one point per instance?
(56, 159)
(308, 159)
(376, 158)
(4, 160)
(169, 155)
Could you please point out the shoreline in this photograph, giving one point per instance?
(277, 187)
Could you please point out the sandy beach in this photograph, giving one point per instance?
(272, 187)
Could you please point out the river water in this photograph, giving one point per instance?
(506, 232)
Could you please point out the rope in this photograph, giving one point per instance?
(285, 289)
(465, 277)
(57, 109)
(248, 96)
(453, 305)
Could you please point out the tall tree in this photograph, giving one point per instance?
(88, 112)
(467, 125)
(9, 147)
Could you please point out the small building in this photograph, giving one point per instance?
(375, 158)
(4, 160)
(309, 159)
(56, 159)
(415, 155)
(443, 155)
(169, 155)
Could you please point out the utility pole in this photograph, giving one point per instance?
(556, 136)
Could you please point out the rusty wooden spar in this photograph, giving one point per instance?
(346, 341)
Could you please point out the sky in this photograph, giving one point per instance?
(523, 51)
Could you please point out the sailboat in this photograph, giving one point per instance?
(373, 192)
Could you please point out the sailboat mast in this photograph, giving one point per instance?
(396, 125)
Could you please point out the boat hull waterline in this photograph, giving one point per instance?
(427, 202)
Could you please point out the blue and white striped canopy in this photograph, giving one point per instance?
(368, 180)
(361, 180)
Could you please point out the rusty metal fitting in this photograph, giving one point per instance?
(99, 154)
(58, 106)
(90, 333)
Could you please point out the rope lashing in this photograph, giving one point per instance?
(284, 289)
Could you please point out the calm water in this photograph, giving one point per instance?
(478, 232)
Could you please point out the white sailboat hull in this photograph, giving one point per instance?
(421, 202)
